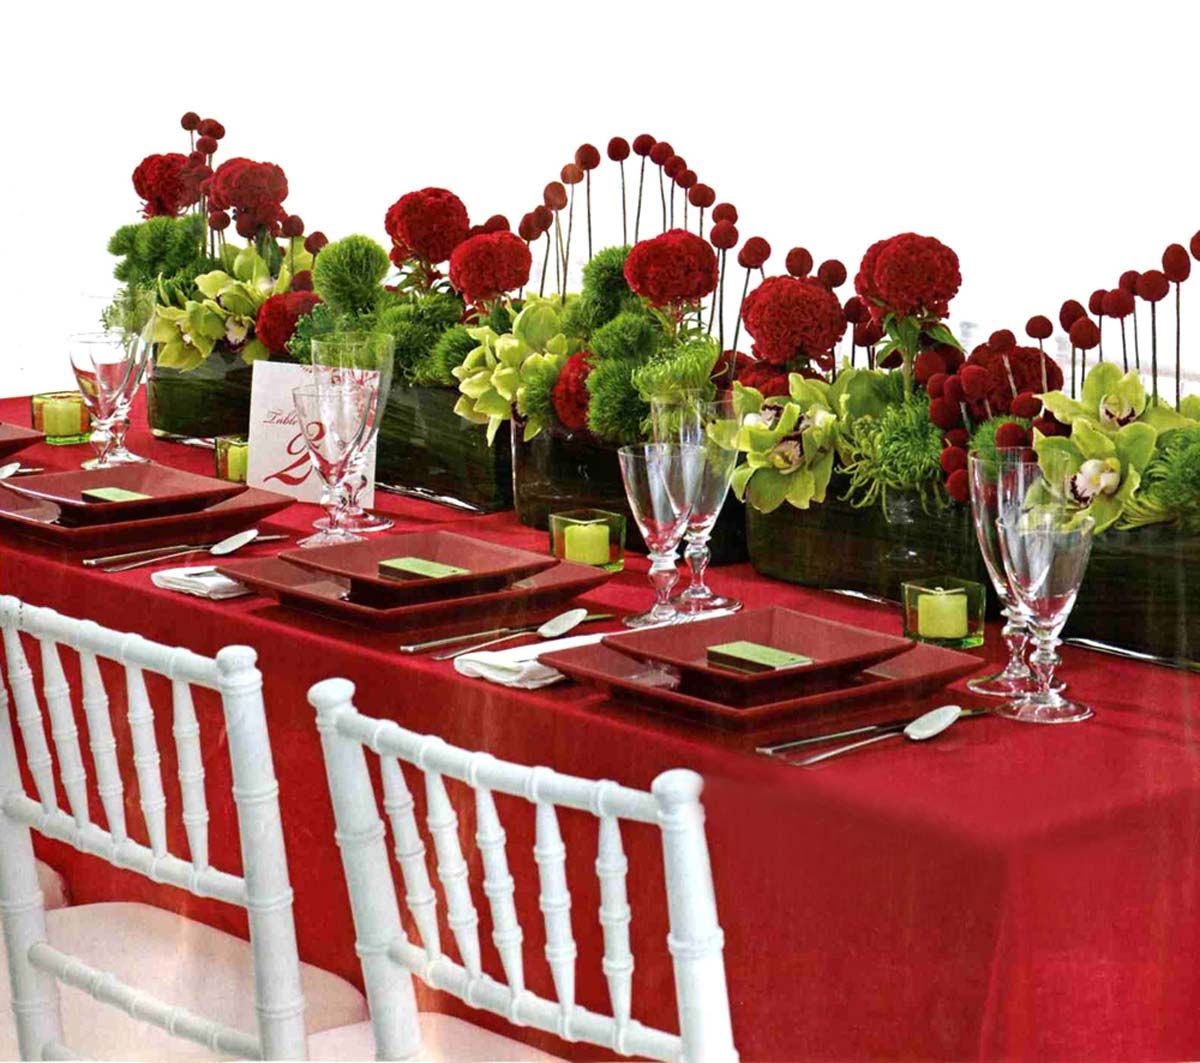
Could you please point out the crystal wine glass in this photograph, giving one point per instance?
(332, 418)
(1045, 550)
(660, 483)
(998, 481)
(359, 357)
(108, 368)
(694, 419)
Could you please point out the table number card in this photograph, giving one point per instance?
(278, 459)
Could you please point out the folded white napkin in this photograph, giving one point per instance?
(520, 667)
(203, 581)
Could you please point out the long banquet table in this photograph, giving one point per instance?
(1004, 892)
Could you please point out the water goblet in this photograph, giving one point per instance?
(359, 357)
(660, 483)
(998, 481)
(332, 418)
(694, 419)
(1045, 550)
(108, 368)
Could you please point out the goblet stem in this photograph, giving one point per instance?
(102, 443)
(1043, 661)
(697, 556)
(663, 576)
(1016, 638)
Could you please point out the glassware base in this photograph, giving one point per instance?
(653, 617)
(115, 457)
(1003, 686)
(363, 523)
(1032, 710)
(709, 603)
(328, 538)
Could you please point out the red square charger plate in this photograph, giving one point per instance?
(13, 438)
(168, 491)
(913, 674)
(836, 651)
(489, 566)
(326, 594)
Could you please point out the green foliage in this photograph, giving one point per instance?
(632, 335)
(1170, 487)
(983, 439)
(685, 367)
(172, 248)
(417, 325)
(537, 395)
(349, 273)
(605, 294)
(616, 411)
(900, 450)
(323, 321)
(499, 318)
(436, 369)
(130, 311)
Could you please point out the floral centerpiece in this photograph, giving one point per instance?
(221, 304)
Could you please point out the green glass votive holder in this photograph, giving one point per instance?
(945, 611)
(232, 454)
(61, 416)
(589, 537)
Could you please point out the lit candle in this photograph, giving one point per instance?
(62, 417)
(586, 543)
(236, 457)
(942, 614)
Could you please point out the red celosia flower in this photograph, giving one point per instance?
(554, 195)
(1176, 264)
(1039, 327)
(587, 157)
(1085, 334)
(768, 379)
(570, 393)
(661, 152)
(190, 121)
(315, 241)
(1002, 340)
(1070, 312)
(831, 273)
(792, 318)
(255, 191)
(643, 144)
(701, 195)
(1152, 286)
(725, 212)
(909, 274)
(165, 184)
(488, 265)
(1128, 281)
(1118, 303)
(571, 174)
(754, 253)
(799, 262)
(676, 267)
(430, 222)
(958, 487)
(618, 149)
(724, 235)
(293, 225)
(277, 318)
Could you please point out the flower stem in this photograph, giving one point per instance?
(624, 212)
(545, 266)
(737, 328)
(1154, 351)
(637, 221)
(662, 195)
(1124, 349)
(1178, 356)
(1137, 353)
(588, 190)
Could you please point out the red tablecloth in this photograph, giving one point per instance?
(1006, 892)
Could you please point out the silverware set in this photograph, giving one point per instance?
(137, 558)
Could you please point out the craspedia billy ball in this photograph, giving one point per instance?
(1039, 327)
(618, 149)
(799, 263)
(754, 253)
(1153, 285)
(832, 273)
(587, 157)
(1176, 263)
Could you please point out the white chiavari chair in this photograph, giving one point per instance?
(389, 958)
(124, 955)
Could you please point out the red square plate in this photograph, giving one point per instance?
(326, 594)
(13, 438)
(168, 491)
(489, 566)
(37, 519)
(837, 650)
(913, 674)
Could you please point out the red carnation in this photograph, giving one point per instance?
(725, 212)
(1039, 327)
(909, 274)
(791, 318)
(1176, 264)
(165, 184)
(754, 253)
(488, 265)
(1152, 286)
(618, 149)
(587, 157)
(832, 273)
(767, 379)
(430, 222)
(953, 459)
(254, 191)
(799, 263)
(1085, 334)
(1070, 312)
(554, 195)
(724, 235)
(643, 143)
(958, 487)
(570, 393)
(277, 318)
(676, 267)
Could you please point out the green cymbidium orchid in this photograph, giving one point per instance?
(1110, 400)
(492, 376)
(1097, 470)
(789, 445)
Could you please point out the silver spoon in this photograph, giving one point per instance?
(554, 628)
(929, 725)
(10, 469)
(226, 546)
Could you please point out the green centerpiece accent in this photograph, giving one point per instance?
(111, 494)
(403, 567)
(748, 656)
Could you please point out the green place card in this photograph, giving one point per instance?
(400, 567)
(754, 657)
(110, 494)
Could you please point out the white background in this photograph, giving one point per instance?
(1053, 145)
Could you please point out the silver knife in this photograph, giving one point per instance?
(156, 551)
(426, 495)
(868, 729)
